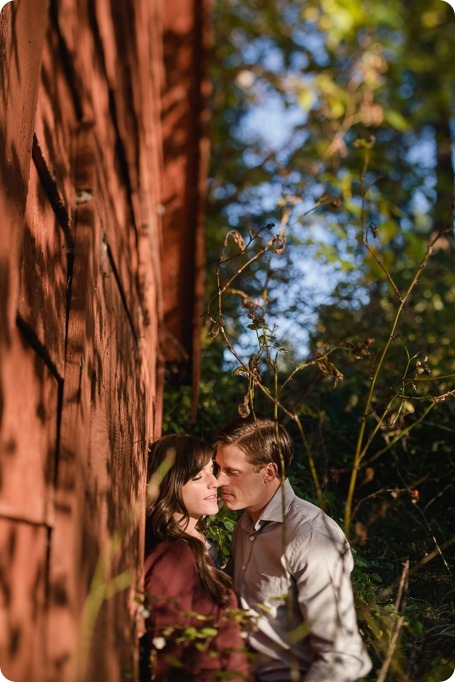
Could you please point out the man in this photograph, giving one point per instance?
(291, 563)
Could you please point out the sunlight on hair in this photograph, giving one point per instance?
(153, 486)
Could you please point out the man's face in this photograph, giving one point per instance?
(243, 486)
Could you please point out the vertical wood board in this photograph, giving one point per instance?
(22, 31)
(44, 274)
(28, 436)
(56, 120)
(23, 553)
(68, 588)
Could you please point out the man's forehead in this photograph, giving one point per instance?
(230, 454)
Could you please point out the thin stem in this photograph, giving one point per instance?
(384, 270)
(359, 451)
(396, 629)
(402, 433)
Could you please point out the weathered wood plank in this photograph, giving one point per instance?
(98, 105)
(100, 489)
(186, 148)
(28, 435)
(44, 274)
(23, 552)
(116, 487)
(56, 121)
(22, 30)
(68, 588)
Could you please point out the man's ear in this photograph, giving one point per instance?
(270, 472)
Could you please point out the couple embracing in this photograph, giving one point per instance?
(290, 567)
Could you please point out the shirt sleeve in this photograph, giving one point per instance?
(170, 580)
(230, 647)
(170, 583)
(322, 574)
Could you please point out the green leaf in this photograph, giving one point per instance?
(307, 98)
(396, 120)
(208, 632)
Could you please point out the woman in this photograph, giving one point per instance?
(192, 633)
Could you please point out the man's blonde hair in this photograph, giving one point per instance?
(262, 440)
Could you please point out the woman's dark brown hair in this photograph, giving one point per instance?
(173, 461)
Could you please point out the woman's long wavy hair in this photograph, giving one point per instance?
(173, 461)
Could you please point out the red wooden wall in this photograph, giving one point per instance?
(102, 170)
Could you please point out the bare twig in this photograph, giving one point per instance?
(360, 450)
(396, 628)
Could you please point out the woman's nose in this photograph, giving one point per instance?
(214, 483)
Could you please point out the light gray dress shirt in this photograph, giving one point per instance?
(307, 626)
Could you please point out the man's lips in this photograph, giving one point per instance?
(225, 494)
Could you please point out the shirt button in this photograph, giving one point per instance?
(244, 567)
(251, 538)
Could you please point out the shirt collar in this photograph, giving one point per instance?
(273, 511)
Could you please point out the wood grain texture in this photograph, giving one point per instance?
(44, 269)
(84, 289)
(23, 555)
(29, 435)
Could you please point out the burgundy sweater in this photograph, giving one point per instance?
(173, 583)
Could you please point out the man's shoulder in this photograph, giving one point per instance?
(302, 511)
(308, 519)
(304, 508)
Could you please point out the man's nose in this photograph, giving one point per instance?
(222, 478)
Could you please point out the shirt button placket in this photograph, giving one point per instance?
(251, 538)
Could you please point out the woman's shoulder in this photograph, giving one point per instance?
(176, 547)
(179, 549)
(170, 568)
(170, 552)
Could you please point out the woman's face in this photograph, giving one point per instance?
(199, 494)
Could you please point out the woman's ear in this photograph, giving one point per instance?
(270, 472)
